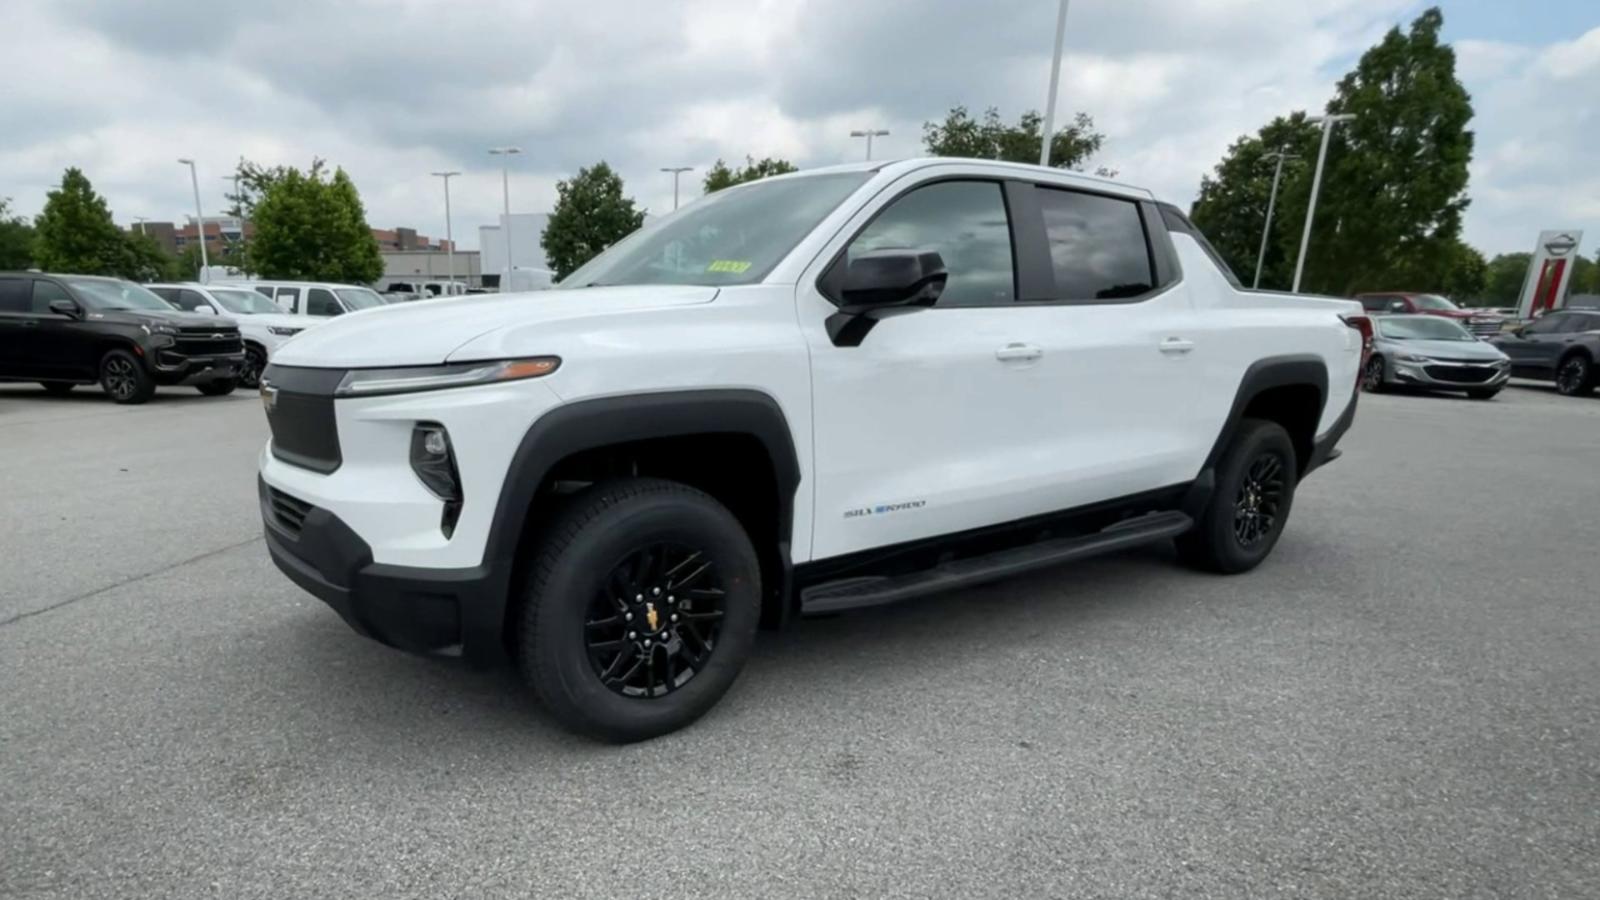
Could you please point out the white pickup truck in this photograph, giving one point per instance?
(811, 393)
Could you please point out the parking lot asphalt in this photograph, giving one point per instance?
(1404, 701)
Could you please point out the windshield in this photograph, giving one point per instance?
(359, 298)
(1421, 328)
(734, 236)
(244, 303)
(107, 294)
(1433, 301)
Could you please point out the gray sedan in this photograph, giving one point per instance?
(1433, 352)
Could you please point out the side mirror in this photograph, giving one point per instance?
(1398, 306)
(66, 308)
(204, 310)
(884, 282)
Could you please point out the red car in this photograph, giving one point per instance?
(1478, 321)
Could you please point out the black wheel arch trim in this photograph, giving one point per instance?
(1263, 375)
(590, 424)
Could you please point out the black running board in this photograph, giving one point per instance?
(855, 593)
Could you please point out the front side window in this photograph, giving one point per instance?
(965, 221)
(1098, 248)
(45, 292)
(111, 294)
(188, 300)
(320, 302)
(1550, 323)
(732, 236)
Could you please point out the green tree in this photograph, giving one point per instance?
(1465, 275)
(720, 176)
(1504, 277)
(1231, 209)
(590, 215)
(187, 266)
(75, 234)
(991, 138)
(313, 227)
(16, 238)
(1585, 275)
(144, 259)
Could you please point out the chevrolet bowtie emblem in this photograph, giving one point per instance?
(651, 616)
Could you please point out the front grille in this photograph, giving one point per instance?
(1461, 374)
(208, 343)
(299, 402)
(1490, 327)
(289, 512)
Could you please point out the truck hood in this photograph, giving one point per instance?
(279, 320)
(426, 331)
(175, 318)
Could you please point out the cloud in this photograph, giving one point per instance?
(393, 90)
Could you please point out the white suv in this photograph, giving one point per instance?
(810, 393)
(322, 299)
(261, 323)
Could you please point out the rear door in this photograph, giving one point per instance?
(17, 327)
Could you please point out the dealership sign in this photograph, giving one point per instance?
(1548, 274)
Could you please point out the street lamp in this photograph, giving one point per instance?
(869, 134)
(449, 236)
(505, 189)
(199, 220)
(1272, 200)
(676, 171)
(1055, 79)
(141, 220)
(1327, 123)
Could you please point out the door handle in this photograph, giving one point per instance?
(30, 323)
(1018, 353)
(1176, 345)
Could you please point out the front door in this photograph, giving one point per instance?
(1541, 343)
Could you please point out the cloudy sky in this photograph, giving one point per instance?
(394, 89)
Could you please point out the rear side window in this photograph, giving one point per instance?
(1098, 248)
(320, 302)
(16, 296)
(965, 221)
(289, 298)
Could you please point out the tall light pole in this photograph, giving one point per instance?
(141, 220)
(1316, 185)
(199, 220)
(505, 190)
(449, 236)
(869, 134)
(1272, 200)
(1055, 81)
(676, 171)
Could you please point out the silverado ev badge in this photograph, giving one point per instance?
(884, 508)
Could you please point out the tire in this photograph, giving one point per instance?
(255, 360)
(1482, 393)
(219, 388)
(1372, 376)
(581, 639)
(124, 379)
(1575, 375)
(1257, 472)
(57, 388)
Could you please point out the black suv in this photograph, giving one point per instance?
(66, 330)
(1562, 346)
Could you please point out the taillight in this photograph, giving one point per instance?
(1362, 324)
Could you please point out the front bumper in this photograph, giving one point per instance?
(1448, 376)
(169, 369)
(436, 612)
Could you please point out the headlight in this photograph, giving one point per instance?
(159, 328)
(1412, 358)
(372, 382)
(281, 331)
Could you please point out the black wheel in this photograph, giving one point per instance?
(1482, 393)
(1372, 375)
(124, 379)
(1254, 491)
(1573, 376)
(255, 359)
(219, 388)
(640, 609)
(58, 388)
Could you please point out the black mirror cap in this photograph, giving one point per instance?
(893, 277)
(65, 308)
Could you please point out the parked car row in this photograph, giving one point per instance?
(1438, 352)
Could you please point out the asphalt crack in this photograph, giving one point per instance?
(124, 582)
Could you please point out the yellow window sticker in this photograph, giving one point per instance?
(735, 266)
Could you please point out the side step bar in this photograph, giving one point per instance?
(855, 593)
